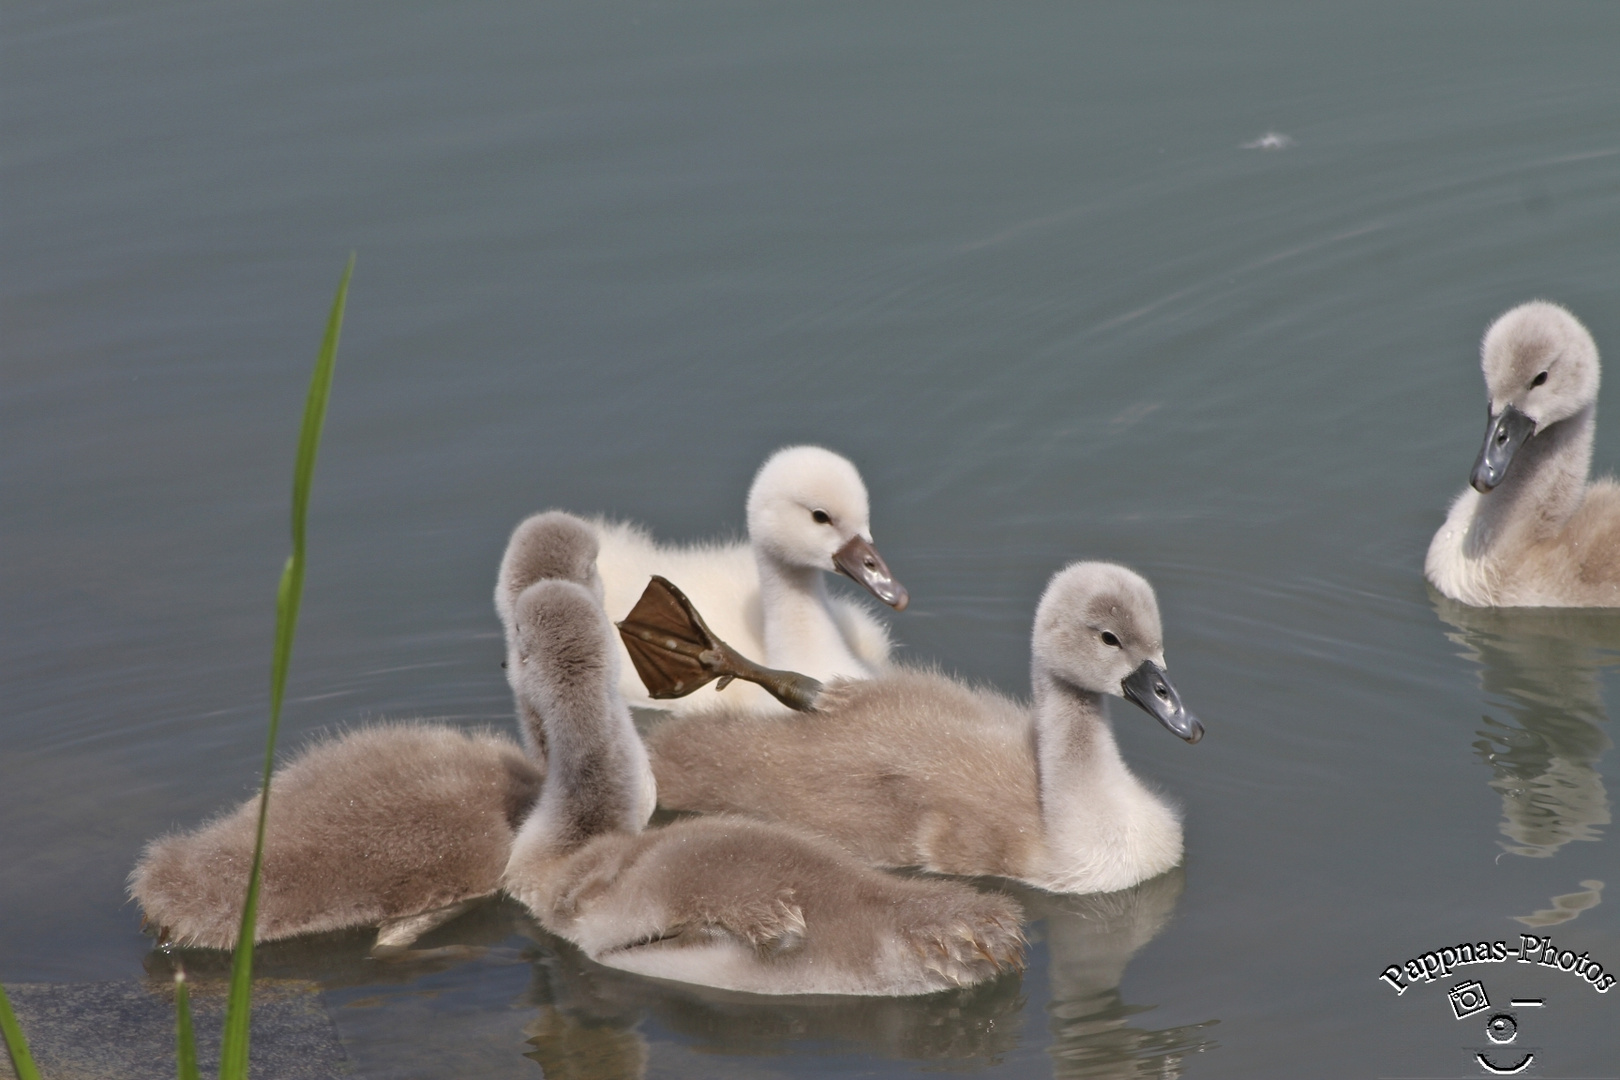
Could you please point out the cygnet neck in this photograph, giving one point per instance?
(598, 778)
(1074, 742)
(799, 631)
(1101, 829)
(1545, 484)
(597, 775)
(532, 729)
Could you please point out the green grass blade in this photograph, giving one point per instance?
(185, 1041)
(233, 1054)
(21, 1059)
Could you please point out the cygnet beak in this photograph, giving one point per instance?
(1507, 432)
(1149, 687)
(860, 560)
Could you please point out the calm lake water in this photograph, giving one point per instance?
(1024, 264)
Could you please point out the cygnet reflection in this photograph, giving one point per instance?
(1090, 941)
(1566, 907)
(588, 1017)
(342, 959)
(1541, 670)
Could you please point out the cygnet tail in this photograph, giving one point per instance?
(676, 653)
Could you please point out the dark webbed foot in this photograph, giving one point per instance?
(676, 653)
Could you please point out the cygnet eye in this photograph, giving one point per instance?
(1110, 640)
(821, 517)
(1539, 379)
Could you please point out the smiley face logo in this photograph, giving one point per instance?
(1502, 1029)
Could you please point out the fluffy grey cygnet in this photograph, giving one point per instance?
(917, 769)
(719, 901)
(1530, 531)
(399, 826)
(549, 545)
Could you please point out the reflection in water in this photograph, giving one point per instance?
(1091, 939)
(1566, 907)
(342, 958)
(570, 1050)
(588, 1019)
(588, 1015)
(1542, 670)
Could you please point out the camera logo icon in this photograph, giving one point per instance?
(1468, 998)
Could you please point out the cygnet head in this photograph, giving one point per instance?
(1097, 629)
(549, 545)
(808, 509)
(1541, 366)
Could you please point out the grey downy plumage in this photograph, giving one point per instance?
(1530, 530)
(914, 768)
(720, 901)
(399, 826)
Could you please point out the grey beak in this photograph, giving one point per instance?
(860, 560)
(1507, 432)
(1149, 687)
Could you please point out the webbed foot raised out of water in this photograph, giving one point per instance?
(676, 653)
